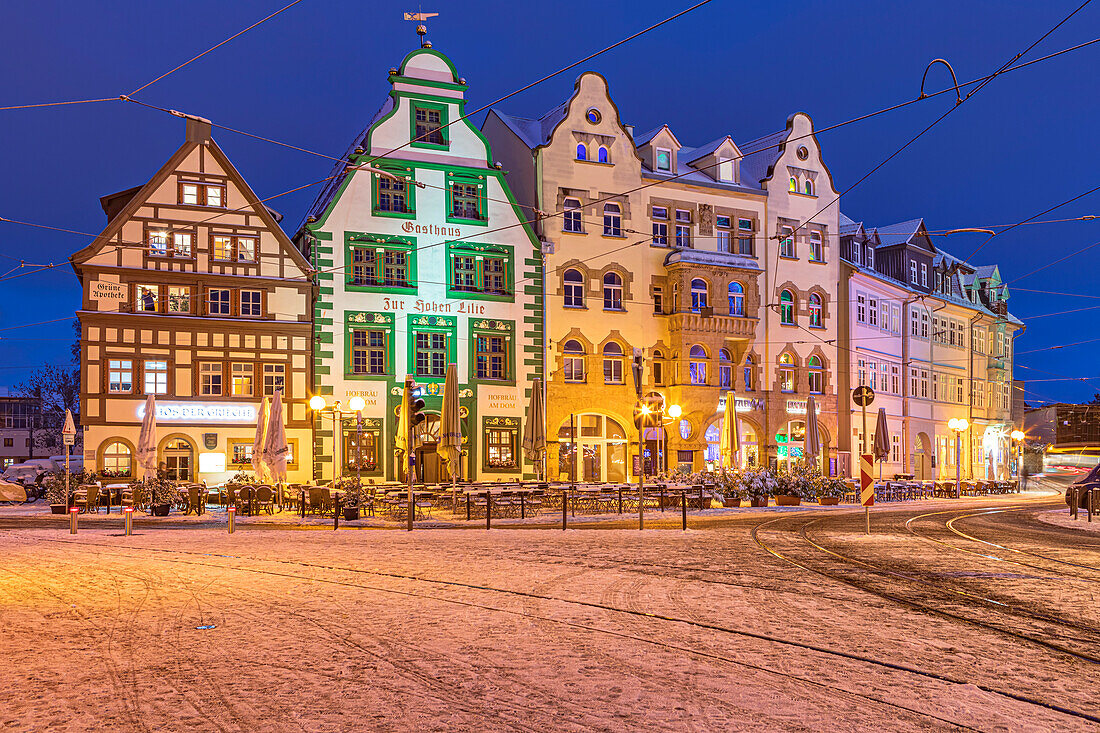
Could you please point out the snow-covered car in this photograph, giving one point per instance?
(1091, 480)
(17, 493)
(28, 472)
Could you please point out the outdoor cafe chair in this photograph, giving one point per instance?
(196, 499)
(265, 499)
(316, 498)
(91, 499)
(244, 498)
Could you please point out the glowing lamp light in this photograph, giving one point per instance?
(644, 409)
(958, 424)
(317, 402)
(356, 404)
(674, 411)
(1017, 435)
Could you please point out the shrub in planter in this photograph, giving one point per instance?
(757, 484)
(162, 495)
(830, 490)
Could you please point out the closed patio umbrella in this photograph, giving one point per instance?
(449, 446)
(275, 445)
(882, 439)
(812, 441)
(258, 442)
(147, 439)
(534, 432)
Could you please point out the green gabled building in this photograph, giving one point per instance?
(423, 258)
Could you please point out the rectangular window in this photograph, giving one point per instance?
(181, 244)
(189, 194)
(895, 379)
(465, 201)
(392, 195)
(613, 370)
(884, 312)
(241, 378)
(246, 249)
(658, 301)
(786, 379)
(274, 379)
(723, 233)
(364, 266)
(431, 354)
(465, 273)
(223, 247)
(817, 253)
(786, 243)
(862, 373)
(895, 449)
(924, 274)
(215, 196)
(872, 311)
(201, 194)
(158, 242)
(816, 381)
(146, 299)
(500, 448)
(660, 233)
(913, 271)
(895, 321)
(218, 302)
(923, 325)
(745, 233)
(250, 303)
(492, 357)
(395, 268)
(368, 352)
(120, 376)
(861, 308)
(872, 374)
(663, 159)
(725, 376)
(914, 323)
(429, 126)
(156, 377)
(914, 382)
(210, 378)
(574, 368)
(494, 276)
(725, 170)
(571, 218)
(683, 228)
(924, 384)
(179, 299)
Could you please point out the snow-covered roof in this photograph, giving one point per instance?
(760, 155)
(899, 233)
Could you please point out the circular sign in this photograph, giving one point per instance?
(863, 396)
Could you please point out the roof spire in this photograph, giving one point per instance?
(421, 27)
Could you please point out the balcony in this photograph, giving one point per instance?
(706, 322)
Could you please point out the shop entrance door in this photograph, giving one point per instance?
(178, 459)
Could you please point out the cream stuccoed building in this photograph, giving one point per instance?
(703, 259)
(932, 336)
(423, 259)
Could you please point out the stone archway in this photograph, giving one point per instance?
(922, 458)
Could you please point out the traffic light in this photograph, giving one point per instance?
(636, 368)
(416, 406)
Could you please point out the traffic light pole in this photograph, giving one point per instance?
(409, 461)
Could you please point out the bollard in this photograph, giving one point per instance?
(684, 509)
(488, 509)
(700, 497)
(522, 506)
(1088, 502)
(72, 519)
(1071, 494)
(564, 509)
(336, 514)
(662, 498)
(232, 519)
(467, 507)
(620, 500)
(128, 512)
(302, 504)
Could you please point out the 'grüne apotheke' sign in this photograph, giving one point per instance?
(201, 412)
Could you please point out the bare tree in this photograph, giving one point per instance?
(54, 390)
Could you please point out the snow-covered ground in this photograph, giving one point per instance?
(1062, 518)
(191, 628)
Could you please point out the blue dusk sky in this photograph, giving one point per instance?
(316, 73)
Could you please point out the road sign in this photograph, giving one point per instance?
(863, 396)
(69, 439)
(69, 427)
(866, 481)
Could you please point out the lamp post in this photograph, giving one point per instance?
(318, 404)
(1018, 439)
(959, 425)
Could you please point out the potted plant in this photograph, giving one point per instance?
(787, 490)
(829, 491)
(729, 487)
(55, 493)
(757, 484)
(351, 499)
(162, 495)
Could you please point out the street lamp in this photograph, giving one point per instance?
(318, 404)
(1018, 438)
(959, 425)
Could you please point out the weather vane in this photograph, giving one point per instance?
(421, 29)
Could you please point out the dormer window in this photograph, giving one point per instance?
(428, 122)
(725, 170)
(664, 159)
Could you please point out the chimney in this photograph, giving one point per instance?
(198, 129)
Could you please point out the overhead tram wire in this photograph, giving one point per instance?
(1025, 221)
(59, 104)
(1086, 248)
(958, 103)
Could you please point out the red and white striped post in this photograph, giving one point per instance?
(72, 519)
(232, 519)
(128, 512)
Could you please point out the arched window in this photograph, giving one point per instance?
(573, 361)
(815, 374)
(573, 285)
(698, 294)
(786, 243)
(725, 369)
(815, 310)
(697, 365)
(117, 459)
(809, 188)
(658, 368)
(786, 373)
(786, 308)
(793, 183)
(817, 253)
(582, 152)
(612, 363)
(571, 219)
(612, 292)
(749, 382)
(602, 156)
(737, 299)
(612, 220)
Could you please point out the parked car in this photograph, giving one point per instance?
(1091, 480)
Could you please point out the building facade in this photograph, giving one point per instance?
(673, 252)
(19, 416)
(424, 259)
(932, 336)
(192, 293)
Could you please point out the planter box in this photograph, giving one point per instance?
(351, 513)
(829, 500)
(784, 500)
(761, 501)
(734, 502)
(58, 509)
(160, 510)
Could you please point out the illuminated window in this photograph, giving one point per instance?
(573, 362)
(699, 295)
(274, 379)
(786, 308)
(815, 309)
(117, 459)
(815, 374)
(242, 376)
(156, 377)
(697, 365)
(120, 376)
(786, 373)
(737, 299)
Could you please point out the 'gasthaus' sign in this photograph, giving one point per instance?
(199, 412)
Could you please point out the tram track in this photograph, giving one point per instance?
(804, 646)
